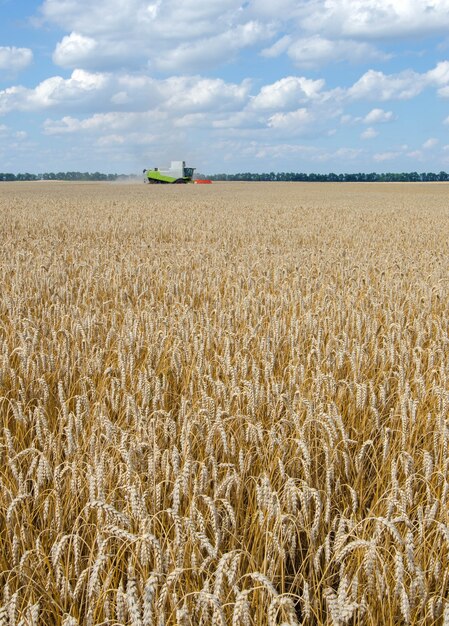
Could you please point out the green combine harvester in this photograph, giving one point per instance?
(176, 174)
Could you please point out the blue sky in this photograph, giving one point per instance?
(227, 85)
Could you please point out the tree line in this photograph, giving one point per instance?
(406, 177)
(63, 176)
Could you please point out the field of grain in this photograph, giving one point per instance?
(224, 405)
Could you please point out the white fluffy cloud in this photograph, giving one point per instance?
(316, 51)
(440, 74)
(57, 90)
(340, 18)
(126, 92)
(369, 133)
(171, 36)
(180, 106)
(375, 85)
(375, 116)
(278, 47)
(175, 36)
(115, 109)
(101, 122)
(287, 92)
(378, 116)
(74, 49)
(293, 121)
(80, 50)
(80, 88)
(170, 18)
(202, 94)
(212, 50)
(15, 59)
(373, 19)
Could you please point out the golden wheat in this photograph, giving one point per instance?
(224, 405)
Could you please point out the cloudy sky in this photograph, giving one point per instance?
(227, 85)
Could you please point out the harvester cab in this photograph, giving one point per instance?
(177, 173)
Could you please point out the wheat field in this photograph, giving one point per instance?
(224, 405)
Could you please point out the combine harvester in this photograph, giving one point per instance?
(176, 174)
